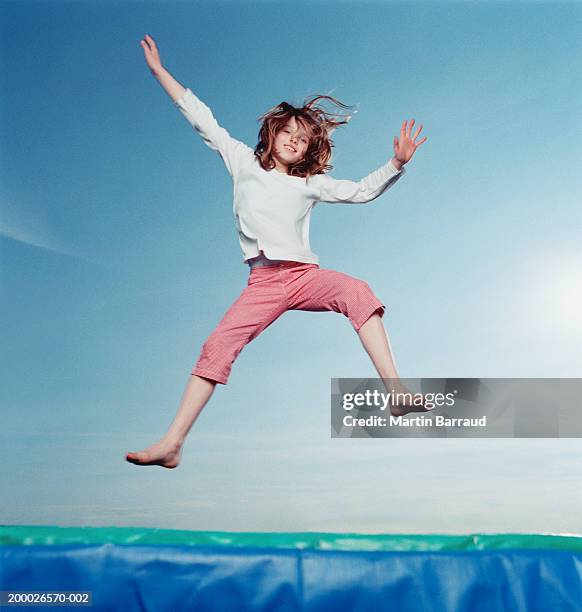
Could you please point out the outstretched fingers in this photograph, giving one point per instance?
(406, 130)
(417, 132)
(416, 136)
(405, 136)
(151, 53)
(149, 43)
(409, 128)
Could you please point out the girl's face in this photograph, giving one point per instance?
(290, 145)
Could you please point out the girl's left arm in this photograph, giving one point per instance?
(359, 192)
(376, 183)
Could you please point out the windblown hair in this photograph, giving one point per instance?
(317, 122)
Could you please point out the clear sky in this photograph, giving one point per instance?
(119, 256)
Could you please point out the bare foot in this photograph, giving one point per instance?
(164, 454)
(410, 402)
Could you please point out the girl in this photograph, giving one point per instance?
(276, 186)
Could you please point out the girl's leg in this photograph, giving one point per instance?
(258, 306)
(374, 339)
(167, 451)
(319, 289)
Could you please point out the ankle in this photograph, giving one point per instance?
(172, 442)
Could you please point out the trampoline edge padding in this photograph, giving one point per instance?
(26, 535)
(298, 571)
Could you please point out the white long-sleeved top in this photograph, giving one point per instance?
(272, 210)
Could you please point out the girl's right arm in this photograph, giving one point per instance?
(233, 152)
(169, 83)
(154, 62)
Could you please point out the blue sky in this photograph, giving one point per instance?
(119, 256)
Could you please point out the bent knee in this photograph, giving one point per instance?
(213, 347)
(362, 287)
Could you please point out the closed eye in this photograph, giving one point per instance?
(303, 138)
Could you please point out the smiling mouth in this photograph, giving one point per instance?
(289, 148)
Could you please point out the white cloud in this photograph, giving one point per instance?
(30, 227)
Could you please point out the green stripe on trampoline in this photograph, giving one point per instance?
(27, 535)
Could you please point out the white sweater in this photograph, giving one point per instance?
(272, 210)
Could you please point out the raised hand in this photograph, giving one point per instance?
(405, 147)
(152, 54)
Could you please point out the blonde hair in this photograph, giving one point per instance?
(317, 122)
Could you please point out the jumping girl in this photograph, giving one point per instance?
(276, 186)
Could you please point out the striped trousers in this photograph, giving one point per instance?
(273, 290)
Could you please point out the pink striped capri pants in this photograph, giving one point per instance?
(273, 290)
